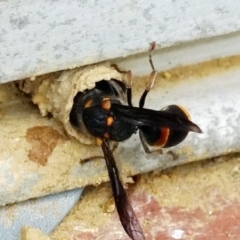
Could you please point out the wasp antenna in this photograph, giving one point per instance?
(152, 47)
(151, 78)
(115, 66)
(128, 74)
(151, 81)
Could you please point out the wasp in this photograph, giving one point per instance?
(103, 112)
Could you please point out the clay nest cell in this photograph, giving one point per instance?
(54, 92)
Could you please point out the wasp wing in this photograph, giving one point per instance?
(149, 117)
(125, 211)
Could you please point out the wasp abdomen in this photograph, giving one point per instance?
(166, 137)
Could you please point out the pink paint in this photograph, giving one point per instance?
(170, 223)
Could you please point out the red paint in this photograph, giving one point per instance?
(163, 222)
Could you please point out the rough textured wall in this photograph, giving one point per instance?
(38, 37)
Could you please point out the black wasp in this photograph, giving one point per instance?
(103, 112)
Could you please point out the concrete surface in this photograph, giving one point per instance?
(198, 201)
(38, 37)
(49, 161)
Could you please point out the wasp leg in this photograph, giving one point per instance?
(114, 147)
(82, 161)
(151, 78)
(145, 145)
